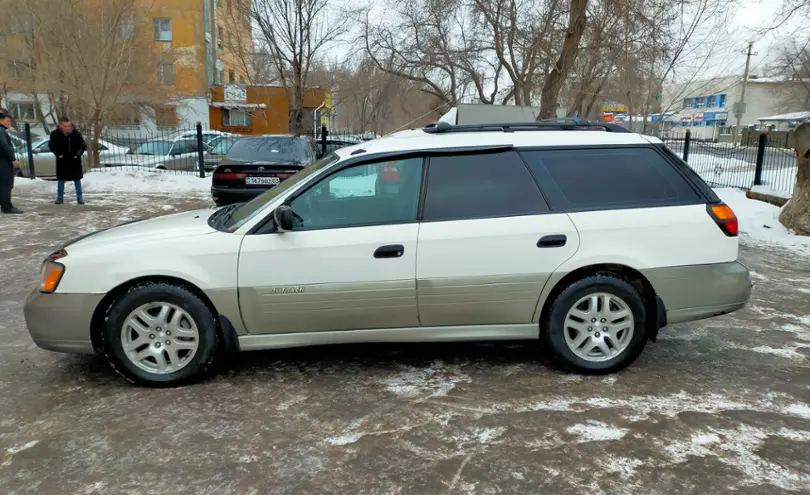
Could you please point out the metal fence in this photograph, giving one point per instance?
(175, 151)
(742, 167)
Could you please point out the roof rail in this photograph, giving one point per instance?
(566, 124)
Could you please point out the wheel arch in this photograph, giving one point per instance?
(224, 326)
(652, 302)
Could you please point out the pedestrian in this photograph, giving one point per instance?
(68, 145)
(8, 164)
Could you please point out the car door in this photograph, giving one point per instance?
(350, 261)
(44, 160)
(487, 242)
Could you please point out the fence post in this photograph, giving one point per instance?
(200, 151)
(324, 132)
(686, 142)
(763, 142)
(30, 150)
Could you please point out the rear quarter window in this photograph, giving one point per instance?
(608, 178)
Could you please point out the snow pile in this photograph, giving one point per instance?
(133, 182)
(759, 221)
(729, 171)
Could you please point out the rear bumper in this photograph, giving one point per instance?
(224, 195)
(61, 322)
(696, 292)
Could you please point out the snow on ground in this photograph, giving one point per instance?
(734, 172)
(759, 221)
(124, 181)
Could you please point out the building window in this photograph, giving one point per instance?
(232, 117)
(23, 69)
(165, 73)
(127, 28)
(162, 29)
(241, 79)
(220, 36)
(230, 42)
(230, 5)
(221, 76)
(722, 103)
(231, 77)
(22, 112)
(166, 116)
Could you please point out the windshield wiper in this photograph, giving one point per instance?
(226, 213)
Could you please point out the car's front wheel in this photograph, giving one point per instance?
(160, 335)
(597, 325)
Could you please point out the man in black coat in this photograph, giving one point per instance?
(8, 164)
(68, 145)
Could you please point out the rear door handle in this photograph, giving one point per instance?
(556, 240)
(390, 251)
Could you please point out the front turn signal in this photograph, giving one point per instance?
(51, 276)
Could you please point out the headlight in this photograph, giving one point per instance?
(51, 275)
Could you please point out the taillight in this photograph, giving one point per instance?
(725, 218)
(229, 176)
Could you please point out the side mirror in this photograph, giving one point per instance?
(283, 217)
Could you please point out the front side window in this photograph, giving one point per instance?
(184, 146)
(483, 185)
(157, 148)
(244, 212)
(162, 29)
(608, 178)
(369, 194)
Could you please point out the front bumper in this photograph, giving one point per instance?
(701, 291)
(61, 322)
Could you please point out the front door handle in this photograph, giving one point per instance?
(390, 251)
(556, 240)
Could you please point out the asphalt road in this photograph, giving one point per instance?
(712, 407)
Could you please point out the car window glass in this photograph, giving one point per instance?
(157, 148)
(42, 147)
(101, 147)
(615, 177)
(371, 194)
(480, 186)
(184, 146)
(280, 149)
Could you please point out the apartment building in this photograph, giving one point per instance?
(193, 45)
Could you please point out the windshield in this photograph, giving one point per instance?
(276, 149)
(221, 145)
(158, 148)
(246, 211)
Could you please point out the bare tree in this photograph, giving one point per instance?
(295, 33)
(92, 59)
(577, 18)
(435, 44)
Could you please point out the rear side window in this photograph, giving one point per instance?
(480, 186)
(608, 178)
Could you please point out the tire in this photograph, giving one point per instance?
(160, 365)
(560, 333)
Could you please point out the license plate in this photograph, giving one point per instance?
(264, 181)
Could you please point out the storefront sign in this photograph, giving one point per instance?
(234, 94)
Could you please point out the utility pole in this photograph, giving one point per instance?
(740, 106)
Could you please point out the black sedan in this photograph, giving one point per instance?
(255, 164)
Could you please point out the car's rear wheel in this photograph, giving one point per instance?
(160, 335)
(597, 325)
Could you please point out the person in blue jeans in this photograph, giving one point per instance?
(68, 145)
